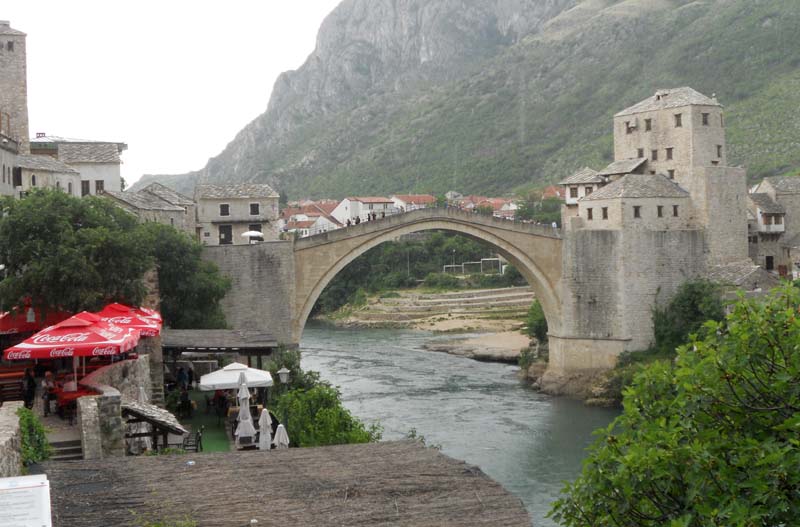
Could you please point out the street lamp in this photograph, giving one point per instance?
(283, 375)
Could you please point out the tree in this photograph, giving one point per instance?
(61, 252)
(191, 288)
(709, 439)
(536, 322)
(695, 302)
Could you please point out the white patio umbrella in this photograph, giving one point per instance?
(281, 438)
(264, 430)
(253, 234)
(245, 427)
(228, 378)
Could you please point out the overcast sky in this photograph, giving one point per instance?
(174, 79)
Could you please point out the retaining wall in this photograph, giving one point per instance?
(10, 440)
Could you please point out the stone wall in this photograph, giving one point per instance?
(125, 376)
(100, 423)
(263, 289)
(89, 427)
(14, 85)
(10, 440)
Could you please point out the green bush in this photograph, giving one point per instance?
(709, 439)
(35, 446)
(536, 322)
(442, 281)
(172, 400)
(316, 417)
(695, 302)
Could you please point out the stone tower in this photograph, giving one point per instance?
(681, 134)
(13, 86)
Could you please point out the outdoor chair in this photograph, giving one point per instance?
(194, 442)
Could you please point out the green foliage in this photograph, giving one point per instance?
(299, 379)
(67, 253)
(63, 252)
(316, 417)
(526, 358)
(544, 211)
(536, 323)
(696, 302)
(413, 435)
(35, 447)
(510, 278)
(709, 439)
(172, 400)
(442, 281)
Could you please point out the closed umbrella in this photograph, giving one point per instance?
(264, 430)
(281, 438)
(245, 426)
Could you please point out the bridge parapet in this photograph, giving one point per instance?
(434, 213)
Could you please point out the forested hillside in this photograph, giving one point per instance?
(496, 96)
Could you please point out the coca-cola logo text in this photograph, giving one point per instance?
(62, 352)
(16, 355)
(104, 351)
(120, 320)
(45, 338)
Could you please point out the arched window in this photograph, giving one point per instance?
(33, 180)
(58, 185)
(69, 188)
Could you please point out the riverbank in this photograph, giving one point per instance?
(485, 323)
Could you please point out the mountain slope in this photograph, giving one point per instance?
(408, 95)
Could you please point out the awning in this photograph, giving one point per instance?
(13, 323)
(83, 335)
(229, 378)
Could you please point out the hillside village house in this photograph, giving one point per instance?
(225, 213)
(408, 202)
(360, 207)
(98, 162)
(159, 204)
(34, 172)
(307, 218)
(774, 227)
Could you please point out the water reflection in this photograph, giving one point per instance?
(478, 412)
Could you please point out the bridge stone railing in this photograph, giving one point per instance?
(433, 213)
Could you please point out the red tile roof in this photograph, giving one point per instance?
(416, 199)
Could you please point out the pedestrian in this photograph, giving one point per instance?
(181, 377)
(348, 222)
(383, 214)
(28, 388)
(358, 220)
(190, 375)
(48, 388)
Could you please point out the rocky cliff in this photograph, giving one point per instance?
(496, 95)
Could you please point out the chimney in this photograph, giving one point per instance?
(5, 23)
(40, 134)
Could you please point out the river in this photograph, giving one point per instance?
(476, 411)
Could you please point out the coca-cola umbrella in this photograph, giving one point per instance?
(131, 317)
(28, 320)
(82, 335)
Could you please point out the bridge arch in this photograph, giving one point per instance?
(534, 250)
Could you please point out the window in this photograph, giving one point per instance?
(719, 150)
(226, 234)
(33, 180)
(721, 121)
(678, 120)
(10, 45)
(605, 213)
(99, 185)
(778, 219)
(255, 209)
(769, 263)
(669, 152)
(573, 192)
(660, 211)
(589, 190)
(637, 211)
(254, 227)
(224, 209)
(58, 185)
(69, 188)
(207, 235)
(84, 188)
(715, 162)
(172, 221)
(655, 155)
(370, 206)
(705, 119)
(640, 153)
(628, 127)
(589, 214)
(675, 210)
(648, 125)
(671, 173)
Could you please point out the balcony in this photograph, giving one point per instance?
(776, 229)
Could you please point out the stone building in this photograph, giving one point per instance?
(98, 162)
(666, 210)
(8, 160)
(775, 225)
(34, 172)
(225, 213)
(159, 204)
(361, 207)
(13, 85)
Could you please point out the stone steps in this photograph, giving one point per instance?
(67, 450)
(157, 395)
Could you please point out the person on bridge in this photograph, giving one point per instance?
(349, 223)
(358, 220)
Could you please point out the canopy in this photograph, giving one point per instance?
(83, 335)
(228, 378)
(131, 317)
(12, 323)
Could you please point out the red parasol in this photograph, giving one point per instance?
(131, 317)
(13, 323)
(83, 335)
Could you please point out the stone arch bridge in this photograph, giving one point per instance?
(276, 284)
